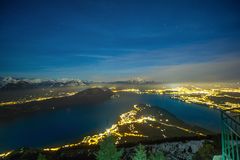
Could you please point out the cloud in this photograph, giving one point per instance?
(190, 53)
(211, 61)
(97, 56)
(223, 70)
(217, 60)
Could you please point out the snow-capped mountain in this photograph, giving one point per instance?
(6, 80)
(23, 83)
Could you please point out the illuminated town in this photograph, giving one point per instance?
(138, 125)
(31, 99)
(220, 98)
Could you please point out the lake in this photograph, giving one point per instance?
(71, 124)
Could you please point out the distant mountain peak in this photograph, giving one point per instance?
(136, 80)
(23, 83)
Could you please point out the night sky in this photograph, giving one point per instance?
(164, 40)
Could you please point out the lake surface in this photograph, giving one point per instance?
(70, 124)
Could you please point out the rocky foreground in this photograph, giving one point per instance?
(184, 149)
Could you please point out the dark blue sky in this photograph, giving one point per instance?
(168, 40)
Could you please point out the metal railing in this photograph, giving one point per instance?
(230, 120)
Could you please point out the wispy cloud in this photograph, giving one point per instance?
(97, 56)
(210, 61)
(221, 70)
(194, 53)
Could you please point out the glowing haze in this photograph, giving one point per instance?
(171, 41)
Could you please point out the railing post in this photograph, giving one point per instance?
(223, 135)
(230, 128)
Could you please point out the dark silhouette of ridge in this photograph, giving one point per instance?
(89, 96)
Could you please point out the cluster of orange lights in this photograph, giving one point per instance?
(196, 95)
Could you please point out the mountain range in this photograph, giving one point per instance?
(11, 83)
(7, 83)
